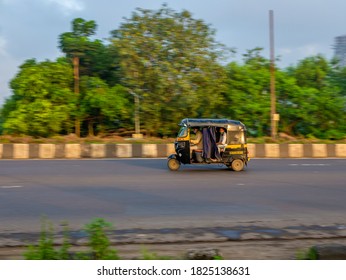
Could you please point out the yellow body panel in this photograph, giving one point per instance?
(236, 146)
(236, 153)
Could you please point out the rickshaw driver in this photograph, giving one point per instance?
(198, 142)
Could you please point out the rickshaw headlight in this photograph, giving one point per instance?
(180, 145)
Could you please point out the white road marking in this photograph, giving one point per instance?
(309, 164)
(10, 187)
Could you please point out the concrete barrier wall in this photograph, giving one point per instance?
(73, 151)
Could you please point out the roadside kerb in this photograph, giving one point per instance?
(340, 150)
(76, 151)
(47, 151)
(20, 151)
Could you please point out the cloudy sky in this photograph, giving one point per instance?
(30, 28)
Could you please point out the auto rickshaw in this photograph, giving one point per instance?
(233, 154)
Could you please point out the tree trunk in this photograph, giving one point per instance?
(91, 128)
(76, 90)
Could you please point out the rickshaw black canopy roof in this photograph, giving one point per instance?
(212, 122)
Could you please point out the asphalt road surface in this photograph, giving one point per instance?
(143, 193)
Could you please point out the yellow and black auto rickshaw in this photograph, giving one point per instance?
(232, 152)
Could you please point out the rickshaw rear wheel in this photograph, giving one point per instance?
(173, 164)
(237, 165)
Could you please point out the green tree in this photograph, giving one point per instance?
(42, 103)
(171, 61)
(289, 106)
(101, 104)
(101, 60)
(248, 96)
(317, 107)
(311, 72)
(75, 44)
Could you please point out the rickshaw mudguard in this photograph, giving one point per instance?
(175, 156)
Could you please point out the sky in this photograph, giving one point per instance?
(302, 28)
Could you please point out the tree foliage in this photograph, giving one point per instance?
(173, 63)
(248, 97)
(310, 96)
(317, 106)
(102, 105)
(42, 102)
(96, 59)
(77, 42)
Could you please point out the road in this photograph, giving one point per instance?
(143, 193)
(276, 207)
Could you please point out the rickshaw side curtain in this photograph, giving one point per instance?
(210, 149)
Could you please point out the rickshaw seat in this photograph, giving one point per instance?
(198, 155)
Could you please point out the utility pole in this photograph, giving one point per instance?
(273, 116)
(137, 133)
(137, 121)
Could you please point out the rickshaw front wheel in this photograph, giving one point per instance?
(173, 164)
(237, 165)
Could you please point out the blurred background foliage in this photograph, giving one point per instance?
(172, 62)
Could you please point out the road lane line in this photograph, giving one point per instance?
(309, 164)
(10, 187)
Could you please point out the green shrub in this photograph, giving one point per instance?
(98, 242)
(310, 254)
(45, 250)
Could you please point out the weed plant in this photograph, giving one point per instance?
(45, 249)
(98, 243)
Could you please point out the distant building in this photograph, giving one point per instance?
(340, 50)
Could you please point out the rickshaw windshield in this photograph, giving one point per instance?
(182, 132)
(236, 137)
